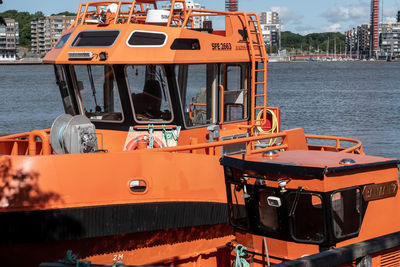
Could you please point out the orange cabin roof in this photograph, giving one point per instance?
(208, 45)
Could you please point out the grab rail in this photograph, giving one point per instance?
(31, 137)
(357, 148)
(280, 143)
(181, 16)
(45, 142)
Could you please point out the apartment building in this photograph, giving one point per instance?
(358, 41)
(271, 28)
(45, 32)
(9, 40)
(389, 39)
(269, 17)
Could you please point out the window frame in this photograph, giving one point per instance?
(131, 99)
(79, 99)
(324, 217)
(155, 32)
(245, 69)
(215, 104)
(361, 208)
(92, 46)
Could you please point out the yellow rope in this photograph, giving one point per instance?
(274, 126)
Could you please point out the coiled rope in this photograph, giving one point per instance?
(241, 252)
(274, 126)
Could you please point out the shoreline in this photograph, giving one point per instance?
(23, 62)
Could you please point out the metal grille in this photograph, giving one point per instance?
(391, 259)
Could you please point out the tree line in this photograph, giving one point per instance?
(313, 42)
(292, 42)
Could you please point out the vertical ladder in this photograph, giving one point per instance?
(258, 56)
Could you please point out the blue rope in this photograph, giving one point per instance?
(151, 138)
(241, 251)
(71, 259)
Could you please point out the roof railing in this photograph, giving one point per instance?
(131, 12)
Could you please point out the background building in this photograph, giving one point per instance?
(231, 5)
(46, 31)
(198, 21)
(374, 27)
(357, 41)
(9, 39)
(389, 40)
(269, 17)
(271, 29)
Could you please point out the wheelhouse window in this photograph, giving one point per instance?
(236, 80)
(306, 211)
(97, 92)
(197, 86)
(150, 95)
(67, 93)
(268, 212)
(346, 212)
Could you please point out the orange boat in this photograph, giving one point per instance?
(131, 173)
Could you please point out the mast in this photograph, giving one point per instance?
(327, 48)
(334, 48)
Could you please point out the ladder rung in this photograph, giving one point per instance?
(259, 82)
(258, 95)
(259, 107)
(259, 70)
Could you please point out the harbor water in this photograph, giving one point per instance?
(353, 99)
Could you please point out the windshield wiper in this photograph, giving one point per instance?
(89, 69)
(296, 200)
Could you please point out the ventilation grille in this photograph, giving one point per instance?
(80, 55)
(391, 259)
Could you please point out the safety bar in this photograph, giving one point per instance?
(137, 7)
(357, 148)
(43, 135)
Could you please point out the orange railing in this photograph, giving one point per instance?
(356, 148)
(135, 11)
(26, 143)
(280, 143)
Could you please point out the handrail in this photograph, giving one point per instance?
(226, 142)
(45, 142)
(222, 108)
(338, 139)
(356, 148)
(20, 135)
(182, 15)
(358, 144)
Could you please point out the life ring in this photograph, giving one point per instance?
(132, 145)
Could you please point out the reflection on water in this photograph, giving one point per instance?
(359, 99)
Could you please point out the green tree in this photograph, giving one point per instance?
(2, 22)
(65, 13)
(312, 42)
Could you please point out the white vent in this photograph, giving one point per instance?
(80, 55)
(157, 16)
